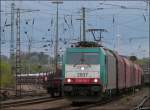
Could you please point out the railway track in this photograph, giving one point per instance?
(102, 102)
(62, 104)
(28, 101)
(144, 105)
(84, 106)
(105, 101)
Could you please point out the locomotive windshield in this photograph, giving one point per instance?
(82, 58)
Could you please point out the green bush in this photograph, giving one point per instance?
(6, 78)
(38, 68)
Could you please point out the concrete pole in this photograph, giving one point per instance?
(57, 2)
(84, 33)
(12, 38)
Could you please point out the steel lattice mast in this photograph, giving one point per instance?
(18, 57)
(12, 38)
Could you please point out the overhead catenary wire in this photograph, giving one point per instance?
(103, 16)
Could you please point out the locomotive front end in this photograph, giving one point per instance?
(82, 74)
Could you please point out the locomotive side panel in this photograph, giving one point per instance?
(103, 71)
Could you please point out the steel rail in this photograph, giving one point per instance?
(86, 106)
(141, 105)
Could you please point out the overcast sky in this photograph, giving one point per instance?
(127, 19)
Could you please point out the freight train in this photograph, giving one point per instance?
(91, 72)
(36, 78)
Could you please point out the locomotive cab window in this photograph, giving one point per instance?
(82, 58)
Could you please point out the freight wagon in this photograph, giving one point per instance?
(36, 78)
(53, 83)
(91, 72)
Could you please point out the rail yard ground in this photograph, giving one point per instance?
(127, 102)
(7, 94)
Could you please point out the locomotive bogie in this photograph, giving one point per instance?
(82, 93)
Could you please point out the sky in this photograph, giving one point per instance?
(126, 22)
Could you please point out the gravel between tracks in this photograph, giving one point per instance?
(43, 106)
(126, 103)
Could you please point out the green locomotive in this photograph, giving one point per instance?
(91, 72)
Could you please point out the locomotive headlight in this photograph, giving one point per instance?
(95, 80)
(82, 68)
(68, 80)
